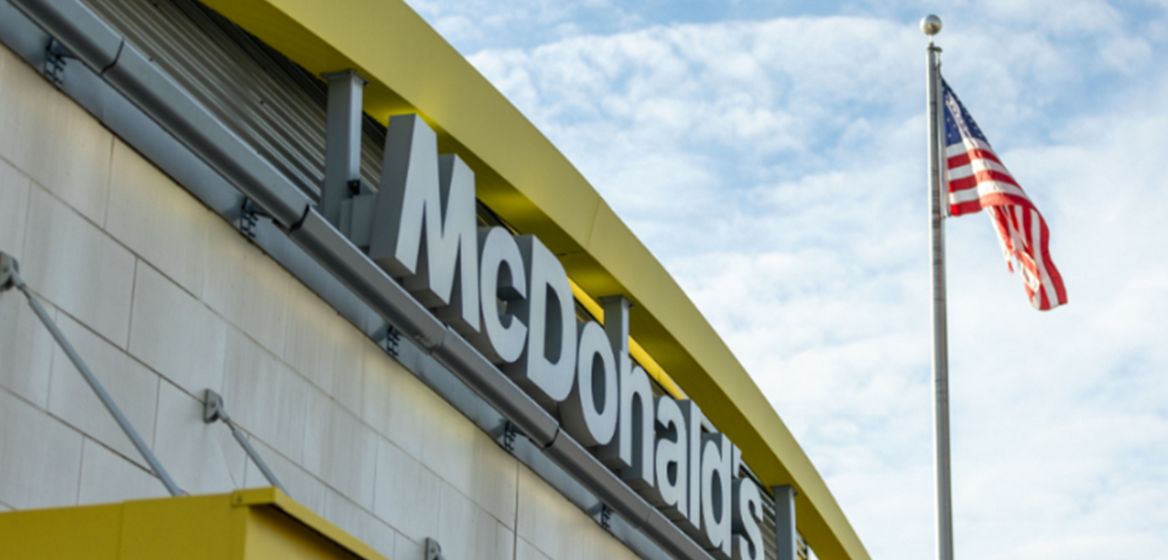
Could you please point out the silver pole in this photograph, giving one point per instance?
(10, 278)
(931, 25)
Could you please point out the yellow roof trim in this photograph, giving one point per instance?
(274, 497)
(530, 184)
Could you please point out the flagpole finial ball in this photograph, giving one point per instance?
(931, 25)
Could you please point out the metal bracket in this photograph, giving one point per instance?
(392, 341)
(213, 410)
(9, 272)
(510, 432)
(213, 407)
(249, 217)
(433, 550)
(53, 67)
(603, 515)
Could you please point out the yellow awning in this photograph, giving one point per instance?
(256, 524)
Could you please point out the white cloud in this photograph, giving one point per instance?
(472, 24)
(776, 167)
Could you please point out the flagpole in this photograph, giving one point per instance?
(931, 25)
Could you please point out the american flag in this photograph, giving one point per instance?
(977, 179)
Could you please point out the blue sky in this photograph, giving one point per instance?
(772, 155)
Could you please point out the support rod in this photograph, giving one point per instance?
(931, 25)
(10, 278)
(213, 410)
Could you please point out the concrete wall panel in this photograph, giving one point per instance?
(323, 347)
(78, 267)
(526, 551)
(265, 397)
(108, 477)
(246, 287)
(340, 450)
(40, 457)
(133, 387)
(403, 547)
(301, 485)
(391, 398)
(359, 522)
(14, 189)
(53, 140)
(177, 335)
(156, 219)
(467, 531)
(406, 493)
(26, 350)
(556, 527)
(466, 458)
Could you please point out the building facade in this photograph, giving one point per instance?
(316, 226)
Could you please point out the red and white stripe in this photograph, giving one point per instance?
(977, 179)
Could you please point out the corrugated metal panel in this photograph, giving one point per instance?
(274, 105)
